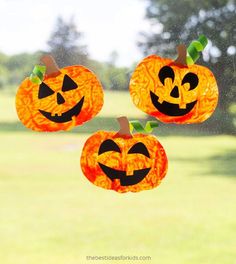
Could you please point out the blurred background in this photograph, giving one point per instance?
(49, 212)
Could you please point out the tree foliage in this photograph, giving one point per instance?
(65, 44)
(111, 76)
(175, 22)
(13, 69)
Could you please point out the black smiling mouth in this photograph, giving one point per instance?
(125, 180)
(169, 108)
(67, 116)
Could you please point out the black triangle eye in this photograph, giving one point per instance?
(44, 91)
(192, 79)
(68, 84)
(166, 72)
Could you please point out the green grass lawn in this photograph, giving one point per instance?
(115, 104)
(50, 213)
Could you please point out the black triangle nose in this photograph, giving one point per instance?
(175, 92)
(60, 99)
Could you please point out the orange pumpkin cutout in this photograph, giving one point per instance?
(172, 91)
(66, 98)
(123, 162)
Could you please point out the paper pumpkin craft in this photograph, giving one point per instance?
(65, 98)
(173, 91)
(123, 162)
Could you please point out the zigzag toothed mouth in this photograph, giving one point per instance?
(65, 117)
(125, 180)
(169, 108)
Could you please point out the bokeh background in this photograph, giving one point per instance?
(49, 212)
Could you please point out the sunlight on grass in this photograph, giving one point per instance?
(8, 112)
(50, 213)
(115, 104)
(119, 104)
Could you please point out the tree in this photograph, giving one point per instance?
(113, 58)
(13, 69)
(20, 65)
(174, 22)
(111, 76)
(65, 44)
(118, 76)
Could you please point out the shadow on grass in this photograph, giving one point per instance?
(107, 123)
(110, 124)
(216, 165)
(220, 164)
(224, 164)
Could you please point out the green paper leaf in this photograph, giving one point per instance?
(136, 125)
(37, 74)
(194, 49)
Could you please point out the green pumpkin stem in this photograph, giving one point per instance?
(51, 65)
(124, 126)
(182, 55)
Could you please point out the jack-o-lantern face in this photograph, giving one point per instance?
(123, 163)
(174, 92)
(63, 100)
(45, 92)
(172, 105)
(133, 177)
